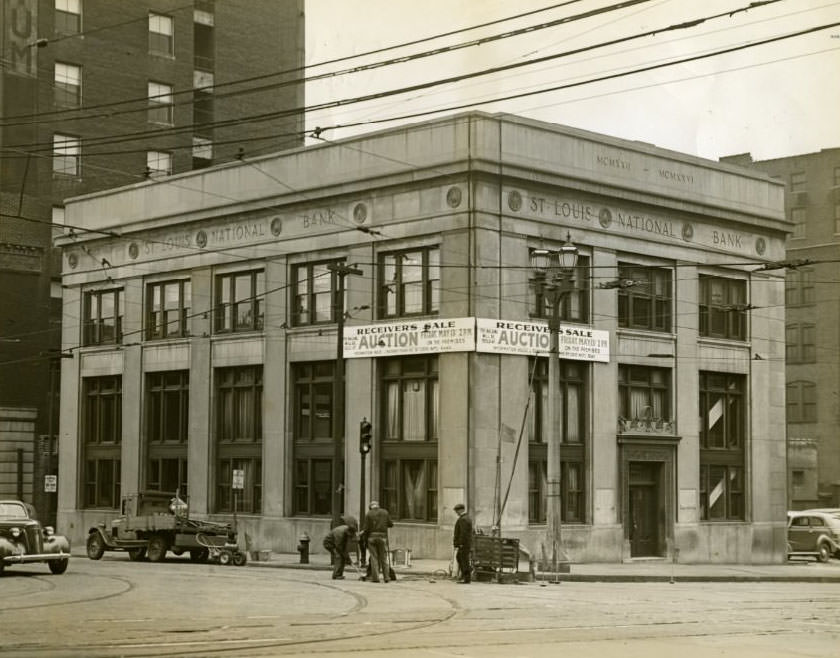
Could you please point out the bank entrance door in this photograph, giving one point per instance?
(644, 509)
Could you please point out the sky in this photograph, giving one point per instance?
(771, 100)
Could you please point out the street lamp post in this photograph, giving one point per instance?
(553, 275)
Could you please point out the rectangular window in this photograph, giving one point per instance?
(102, 440)
(68, 85)
(168, 309)
(68, 16)
(409, 282)
(103, 316)
(67, 152)
(161, 108)
(314, 442)
(238, 411)
(315, 293)
(723, 307)
(799, 286)
(240, 300)
(573, 295)
(161, 31)
(158, 163)
(797, 181)
(409, 431)
(646, 304)
(722, 409)
(800, 343)
(801, 402)
(644, 397)
(798, 217)
(202, 153)
(571, 431)
(167, 430)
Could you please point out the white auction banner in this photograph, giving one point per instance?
(532, 338)
(409, 337)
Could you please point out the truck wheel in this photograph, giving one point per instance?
(199, 555)
(224, 557)
(58, 567)
(95, 546)
(157, 549)
(136, 554)
(239, 559)
(824, 552)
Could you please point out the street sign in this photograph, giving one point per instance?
(50, 483)
(238, 478)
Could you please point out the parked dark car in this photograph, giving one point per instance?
(22, 539)
(814, 533)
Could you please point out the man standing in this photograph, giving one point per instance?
(462, 540)
(377, 522)
(337, 543)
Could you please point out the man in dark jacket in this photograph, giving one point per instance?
(377, 522)
(462, 540)
(337, 542)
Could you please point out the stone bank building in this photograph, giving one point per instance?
(202, 313)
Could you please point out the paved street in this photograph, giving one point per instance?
(114, 607)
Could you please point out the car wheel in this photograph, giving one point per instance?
(224, 557)
(824, 552)
(199, 555)
(136, 554)
(58, 567)
(157, 549)
(239, 559)
(95, 546)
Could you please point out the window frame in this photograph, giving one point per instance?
(723, 396)
(629, 382)
(399, 453)
(67, 90)
(230, 384)
(165, 389)
(101, 441)
(158, 330)
(397, 287)
(632, 299)
(156, 36)
(93, 327)
(153, 161)
(65, 20)
(67, 149)
(730, 311)
(801, 401)
(225, 309)
(161, 105)
(311, 293)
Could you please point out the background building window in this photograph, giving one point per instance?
(801, 402)
(159, 163)
(161, 30)
(409, 426)
(103, 314)
(315, 293)
(571, 424)
(799, 286)
(409, 282)
(66, 154)
(168, 309)
(160, 103)
(68, 85)
(647, 303)
(800, 343)
(314, 440)
(574, 307)
(238, 409)
(798, 217)
(644, 396)
(102, 439)
(68, 16)
(167, 430)
(202, 152)
(722, 446)
(240, 301)
(722, 307)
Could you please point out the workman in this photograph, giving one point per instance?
(377, 522)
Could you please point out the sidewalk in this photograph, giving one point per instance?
(635, 571)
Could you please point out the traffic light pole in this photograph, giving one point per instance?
(341, 270)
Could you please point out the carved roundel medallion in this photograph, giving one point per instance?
(360, 213)
(276, 226)
(514, 201)
(72, 261)
(605, 217)
(453, 197)
(760, 246)
(687, 231)
(201, 239)
(133, 250)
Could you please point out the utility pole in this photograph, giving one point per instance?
(340, 270)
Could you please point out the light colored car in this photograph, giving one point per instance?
(22, 539)
(814, 533)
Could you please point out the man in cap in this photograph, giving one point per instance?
(377, 522)
(462, 540)
(337, 542)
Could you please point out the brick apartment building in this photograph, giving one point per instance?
(100, 93)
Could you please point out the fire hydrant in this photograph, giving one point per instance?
(303, 548)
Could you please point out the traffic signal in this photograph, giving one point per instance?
(365, 436)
